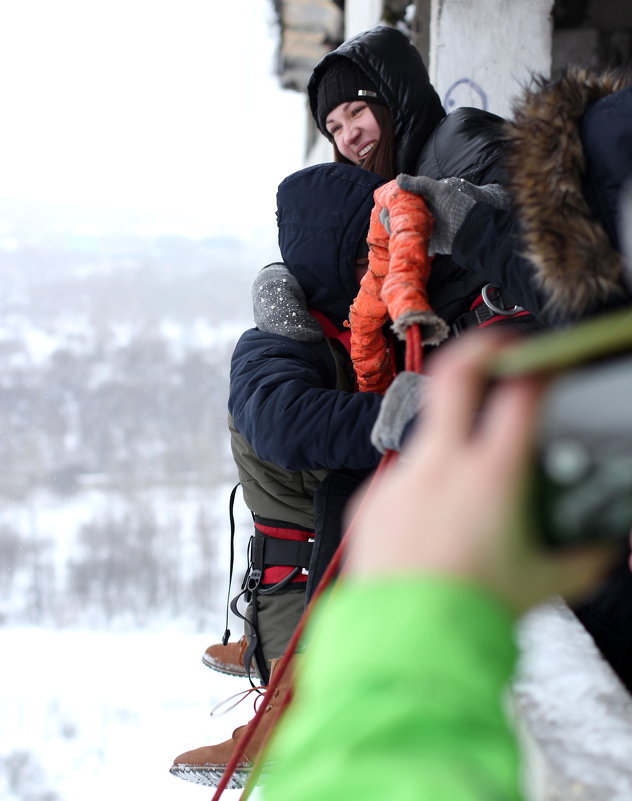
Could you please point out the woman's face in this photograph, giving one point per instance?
(354, 130)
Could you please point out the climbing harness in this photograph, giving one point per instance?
(277, 557)
(490, 307)
(331, 331)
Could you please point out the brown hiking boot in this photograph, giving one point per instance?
(228, 659)
(206, 765)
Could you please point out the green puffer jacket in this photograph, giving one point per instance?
(400, 696)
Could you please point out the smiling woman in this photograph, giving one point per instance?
(372, 98)
(354, 129)
(125, 107)
(353, 116)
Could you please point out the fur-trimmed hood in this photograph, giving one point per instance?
(570, 152)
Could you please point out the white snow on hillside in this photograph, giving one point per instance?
(102, 715)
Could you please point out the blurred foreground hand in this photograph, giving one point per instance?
(456, 502)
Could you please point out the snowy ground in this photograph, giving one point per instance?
(101, 715)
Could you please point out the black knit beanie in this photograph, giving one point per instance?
(342, 83)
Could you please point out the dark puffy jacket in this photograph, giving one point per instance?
(468, 143)
(569, 155)
(283, 397)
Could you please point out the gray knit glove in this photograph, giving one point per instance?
(401, 403)
(449, 201)
(279, 305)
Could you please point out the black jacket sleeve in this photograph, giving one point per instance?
(468, 143)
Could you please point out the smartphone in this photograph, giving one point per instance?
(582, 482)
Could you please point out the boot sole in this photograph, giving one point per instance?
(210, 775)
(226, 670)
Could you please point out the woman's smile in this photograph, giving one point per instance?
(354, 129)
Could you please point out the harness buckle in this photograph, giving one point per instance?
(254, 580)
(485, 292)
(305, 570)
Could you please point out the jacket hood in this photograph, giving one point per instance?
(570, 152)
(323, 217)
(398, 72)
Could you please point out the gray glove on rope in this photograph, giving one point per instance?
(449, 201)
(401, 403)
(279, 305)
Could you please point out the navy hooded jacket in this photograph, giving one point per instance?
(283, 397)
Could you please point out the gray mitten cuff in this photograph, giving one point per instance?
(401, 403)
(449, 201)
(279, 305)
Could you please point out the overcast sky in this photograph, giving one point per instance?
(169, 109)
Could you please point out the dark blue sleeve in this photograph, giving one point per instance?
(284, 402)
(488, 243)
(606, 134)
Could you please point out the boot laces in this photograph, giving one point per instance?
(225, 706)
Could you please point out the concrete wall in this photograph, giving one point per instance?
(308, 29)
(479, 52)
(482, 51)
(360, 16)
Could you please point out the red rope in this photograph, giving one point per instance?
(414, 349)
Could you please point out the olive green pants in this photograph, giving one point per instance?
(277, 617)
